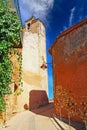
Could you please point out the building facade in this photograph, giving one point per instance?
(69, 54)
(33, 57)
(34, 76)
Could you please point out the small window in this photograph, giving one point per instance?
(28, 26)
(15, 87)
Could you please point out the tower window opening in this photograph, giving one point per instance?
(28, 26)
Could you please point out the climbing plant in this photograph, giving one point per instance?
(9, 36)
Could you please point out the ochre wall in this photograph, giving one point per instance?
(12, 100)
(34, 48)
(69, 55)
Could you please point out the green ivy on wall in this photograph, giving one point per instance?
(10, 28)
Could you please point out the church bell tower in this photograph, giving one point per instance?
(34, 58)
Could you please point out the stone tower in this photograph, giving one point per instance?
(34, 56)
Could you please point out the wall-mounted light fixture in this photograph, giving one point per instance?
(43, 66)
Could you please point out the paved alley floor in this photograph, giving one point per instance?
(30, 121)
(38, 119)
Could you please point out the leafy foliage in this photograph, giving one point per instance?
(9, 36)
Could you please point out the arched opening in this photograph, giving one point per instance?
(28, 26)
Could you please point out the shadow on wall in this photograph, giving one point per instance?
(37, 99)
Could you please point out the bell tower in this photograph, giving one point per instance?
(34, 57)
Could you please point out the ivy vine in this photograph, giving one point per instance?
(10, 28)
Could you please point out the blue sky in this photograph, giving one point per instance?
(57, 15)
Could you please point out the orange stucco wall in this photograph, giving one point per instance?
(73, 79)
(69, 54)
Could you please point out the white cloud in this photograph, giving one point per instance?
(71, 16)
(38, 8)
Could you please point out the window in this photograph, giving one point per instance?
(28, 26)
(15, 87)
